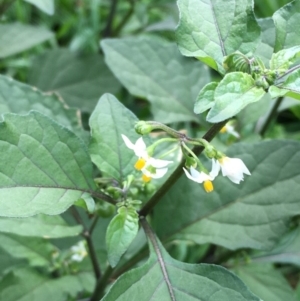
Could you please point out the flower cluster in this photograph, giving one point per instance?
(233, 168)
(149, 166)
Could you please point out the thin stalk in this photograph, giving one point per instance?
(101, 284)
(288, 72)
(271, 116)
(103, 196)
(211, 133)
(107, 32)
(125, 19)
(87, 235)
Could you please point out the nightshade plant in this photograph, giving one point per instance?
(99, 204)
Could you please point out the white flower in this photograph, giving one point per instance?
(202, 177)
(79, 252)
(150, 167)
(233, 168)
(230, 130)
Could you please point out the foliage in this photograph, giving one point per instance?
(111, 187)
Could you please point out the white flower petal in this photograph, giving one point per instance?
(160, 173)
(158, 163)
(190, 176)
(127, 142)
(140, 147)
(215, 169)
(77, 257)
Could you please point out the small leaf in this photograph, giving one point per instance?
(47, 6)
(234, 92)
(286, 21)
(266, 282)
(210, 30)
(205, 99)
(78, 80)
(164, 278)
(249, 215)
(39, 226)
(155, 70)
(108, 122)
(36, 250)
(16, 37)
(35, 175)
(121, 231)
(283, 59)
(290, 87)
(29, 285)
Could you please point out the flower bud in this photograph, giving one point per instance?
(210, 151)
(190, 162)
(143, 128)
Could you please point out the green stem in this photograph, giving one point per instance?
(101, 285)
(107, 32)
(288, 72)
(103, 196)
(125, 19)
(160, 126)
(211, 133)
(87, 235)
(271, 116)
(168, 152)
(194, 156)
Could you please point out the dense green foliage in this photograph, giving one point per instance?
(149, 150)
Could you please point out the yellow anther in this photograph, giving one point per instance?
(223, 129)
(208, 186)
(146, 179)
(140, 164)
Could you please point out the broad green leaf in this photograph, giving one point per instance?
(166, 279)
(253, 214)
(47, 6)
(283, 59)
(79, 80)
(289, 87)
(234, 92)
(8, 263)
(266, 282)
(286, 21)
(212, 29)
(205, 99)
(265, 48)
(29, 285)
(120, 233)
(19, 98)
(286, 251)
(37, 251)
(44, 167)
(16, 37)
(39, 226)
(108, 151)
(155, 70)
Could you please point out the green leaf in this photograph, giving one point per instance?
(286, 251)
(164, 278)
(16, 37)
(266, 282)
(19, 98)
(47, 6)
(109, 120)
(44, 168)
(290, 87)
(286, 21)
(205, 99)
(36, 250)
(253, 214)
(121, 231)
(210, 30)
(234, 92)
(265, 48)
(39, 226)
(155, 70)
(29, 285)
(80, 81)
(283, 59)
